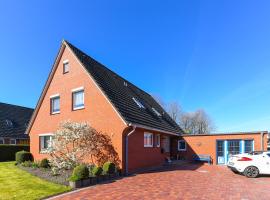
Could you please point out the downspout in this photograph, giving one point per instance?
(126, 152)
(262, 141)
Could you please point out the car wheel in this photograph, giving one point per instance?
(251, 172)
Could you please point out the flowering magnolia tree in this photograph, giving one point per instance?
(74, 143)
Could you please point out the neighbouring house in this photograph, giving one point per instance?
(13, 123)
(81, 89)
(220, 146)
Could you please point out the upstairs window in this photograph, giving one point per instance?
(65, 66)
(156, 112)
(139, 104)
(182, 145)
(9, 123)
(148, 140)
(55, 104)
(78, 98)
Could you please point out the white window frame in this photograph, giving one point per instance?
(11, 143)
(157, 140)
(51, 103)
(79, 89)
(64, 63)
(43, 150)
(2, 139)
(156, 112)
(179, 145)
(139, 104)
(148, 134)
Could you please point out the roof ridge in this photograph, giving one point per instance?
(16, 105)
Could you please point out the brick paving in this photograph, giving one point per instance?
(182, 182)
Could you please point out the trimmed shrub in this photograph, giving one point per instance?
(97, 171)
(23, 156)
(44, 163)
(7, 152)
(27, 164)
(80, 172)
(109, 168)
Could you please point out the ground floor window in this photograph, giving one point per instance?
(45, 142)
(1, 141)
(233, 147)
(157, 140)
(148, 139)
(248, 146)
(13, 141)
(182, 145)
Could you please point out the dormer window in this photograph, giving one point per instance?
(9, 123)
(65, 66)
(156, 112)
(139, 104)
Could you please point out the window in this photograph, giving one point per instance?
(157, 140)
(139, 104)
(248, 146)
(9, 123)
(1, 141)
(13, 141)
(156, 112)
(78, 99)
(55, 104)
(45, 142)
(182, 145)
(65, 66)
(148, 140)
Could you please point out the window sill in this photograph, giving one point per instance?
(148, 145)
(43, 152)
(55, 113)
(78, 108)
(182, 150)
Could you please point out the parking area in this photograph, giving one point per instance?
(182, 182)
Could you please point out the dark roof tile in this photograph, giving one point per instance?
(19, 118)
(120, 92)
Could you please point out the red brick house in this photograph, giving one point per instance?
(81, 89)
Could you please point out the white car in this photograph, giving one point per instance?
(250, 164)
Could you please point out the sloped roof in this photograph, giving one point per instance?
(14, 120)
(121, 93)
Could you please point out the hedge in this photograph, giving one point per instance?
(7, 152)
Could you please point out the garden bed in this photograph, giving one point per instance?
(61, 178)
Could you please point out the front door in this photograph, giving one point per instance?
(220, 152)
(233, 147)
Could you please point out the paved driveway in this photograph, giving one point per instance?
(185, 182)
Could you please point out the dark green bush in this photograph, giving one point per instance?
(7, 152)
(27, 164)
(44, 163)
(109, 168)
(97, 171)
(80, 172)
(23, 156)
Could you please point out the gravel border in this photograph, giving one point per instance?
(46, 174)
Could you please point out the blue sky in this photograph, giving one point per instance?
(205, 54)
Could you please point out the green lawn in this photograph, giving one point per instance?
(18, 184)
